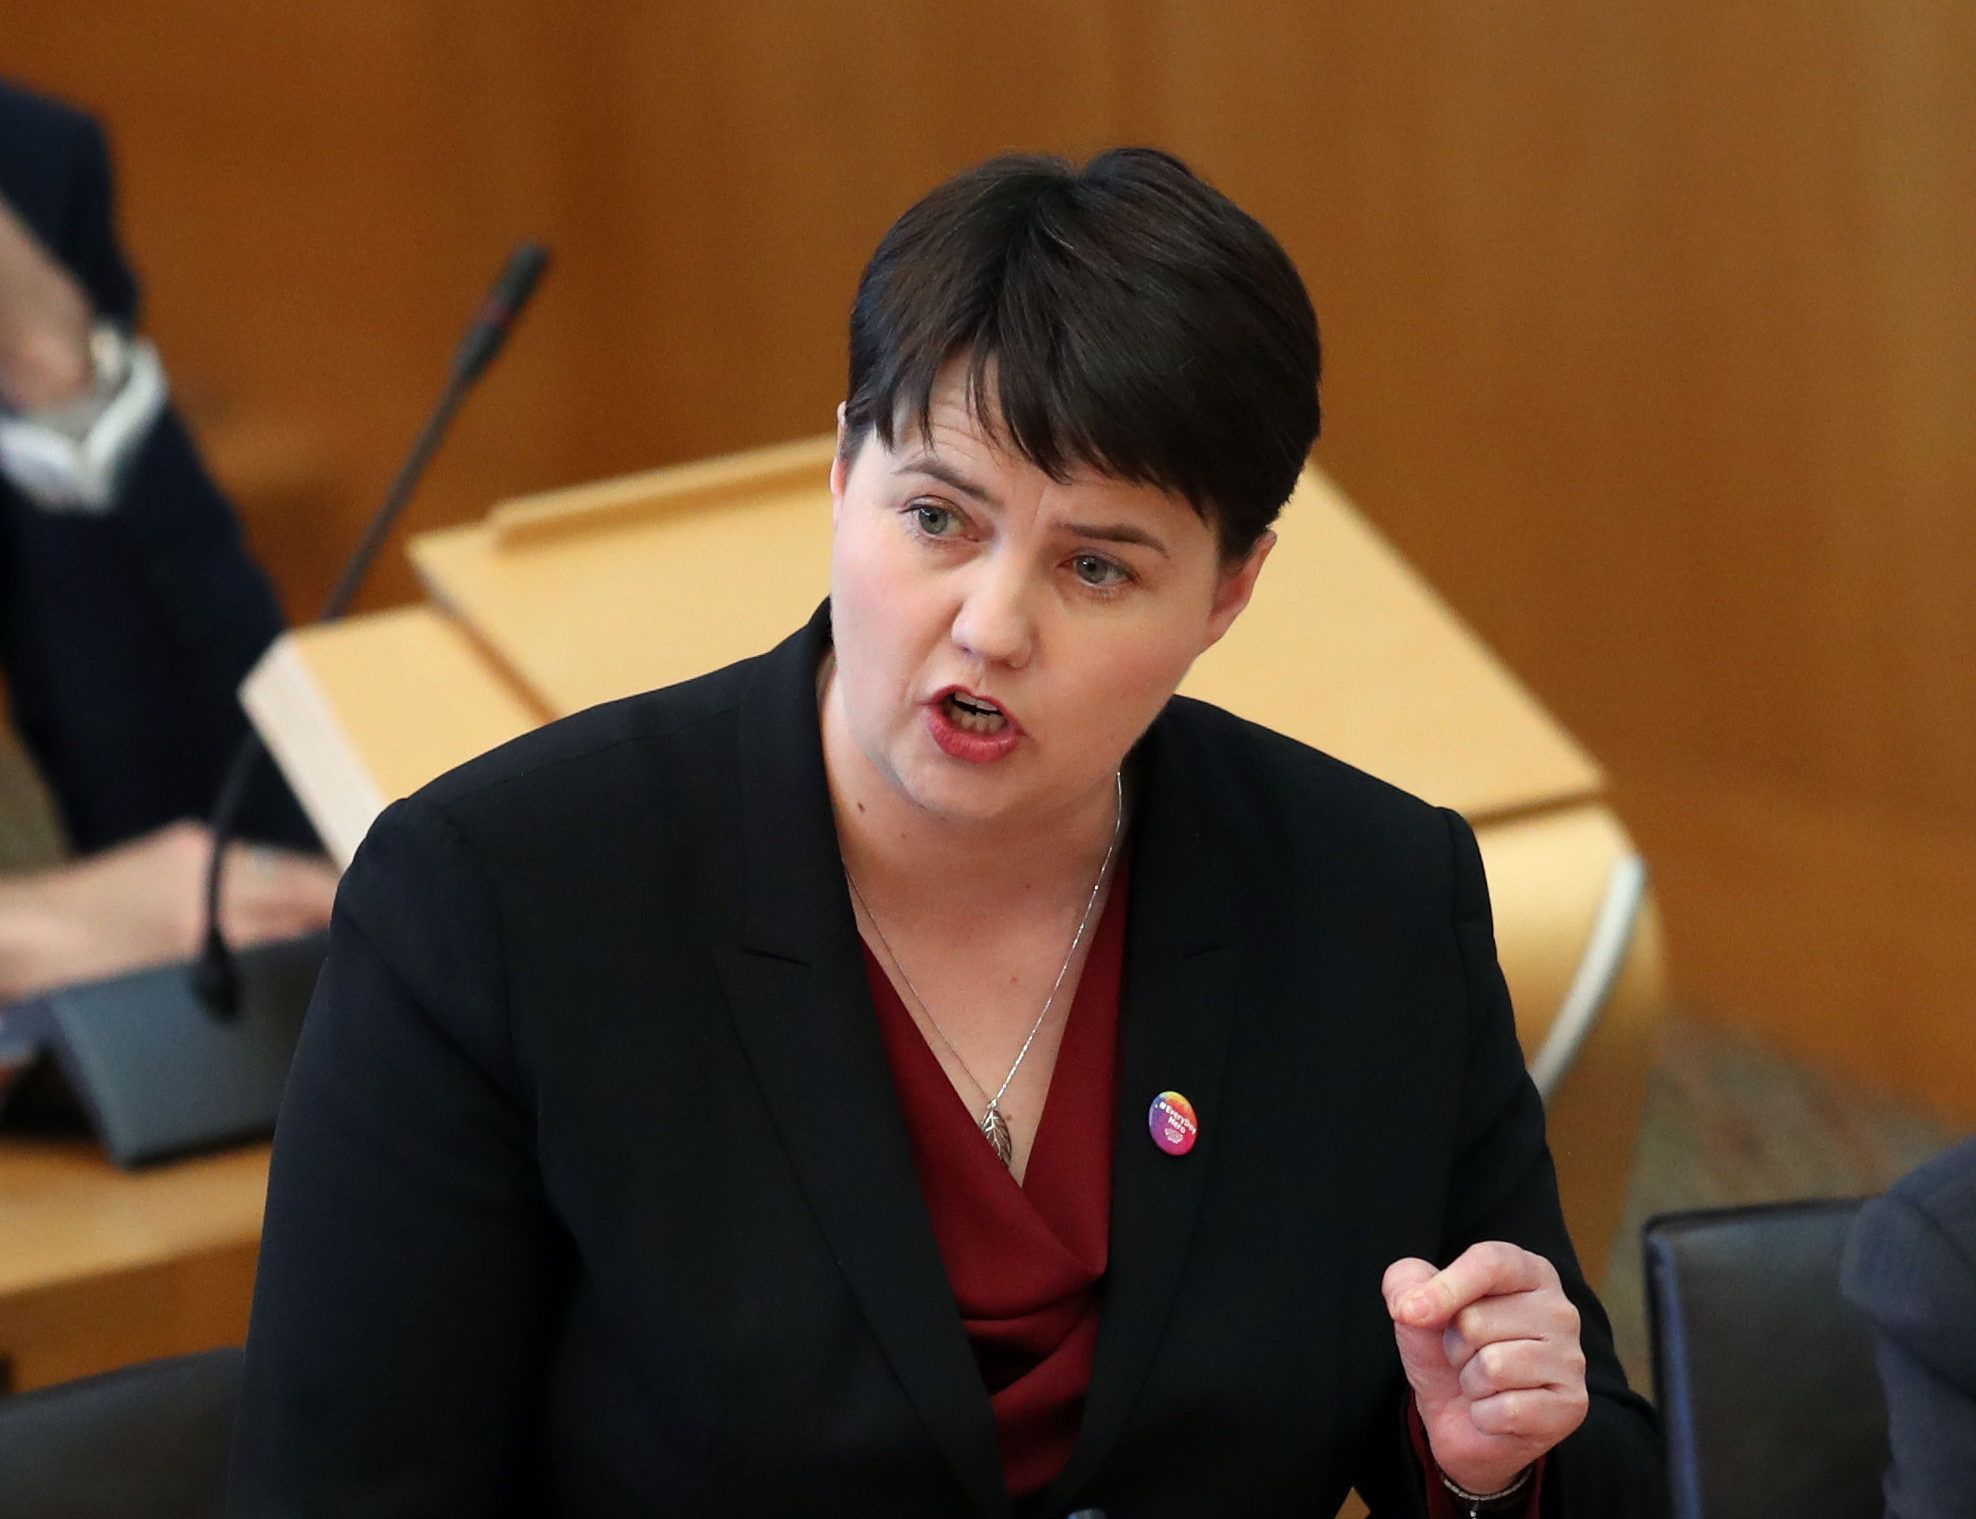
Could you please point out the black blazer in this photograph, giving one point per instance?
(591, 1195)
(124, 635)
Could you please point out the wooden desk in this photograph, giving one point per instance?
(99, 1267)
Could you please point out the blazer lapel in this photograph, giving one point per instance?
(1181, 962)
(801, 1004)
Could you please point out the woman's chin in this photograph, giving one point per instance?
(962, 792)
(965, 800)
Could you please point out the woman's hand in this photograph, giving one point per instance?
(1491, 1347)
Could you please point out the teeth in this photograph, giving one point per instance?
(973, 717)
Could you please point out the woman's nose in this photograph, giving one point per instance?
(994, 622)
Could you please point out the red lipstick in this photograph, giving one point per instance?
(955, 719)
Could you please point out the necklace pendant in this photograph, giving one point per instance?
(995, 1128)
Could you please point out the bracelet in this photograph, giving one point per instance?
(1480, 1504)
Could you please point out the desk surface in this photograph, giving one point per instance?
(101, 1267)
(68, 1215)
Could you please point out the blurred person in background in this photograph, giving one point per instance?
(1910, 1266)
(130, 608)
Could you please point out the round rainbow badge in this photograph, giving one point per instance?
(1173, 1124)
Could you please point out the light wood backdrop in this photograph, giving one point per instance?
(1650, 331)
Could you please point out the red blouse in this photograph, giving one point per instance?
(1027, 1262)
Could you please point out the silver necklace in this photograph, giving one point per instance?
(994, 1125)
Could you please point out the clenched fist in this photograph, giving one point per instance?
(1490, 1345)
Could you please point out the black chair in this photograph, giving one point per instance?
(1763, 1372)
(146, 1442)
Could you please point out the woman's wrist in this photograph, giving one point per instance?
(1505, 1499)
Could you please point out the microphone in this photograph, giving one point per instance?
(214, 976)
(498, 312)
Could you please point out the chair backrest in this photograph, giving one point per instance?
(1763, 1372)
(146, 1442)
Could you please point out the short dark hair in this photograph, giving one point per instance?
(1136, 320)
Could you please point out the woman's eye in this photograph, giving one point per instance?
(1096, 571)
(935, 521)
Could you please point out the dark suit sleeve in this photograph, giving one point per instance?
(409, 1259)
(1504, 1187)
(1915, 1279)
(55, 173)
(86, 240)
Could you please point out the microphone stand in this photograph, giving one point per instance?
(214, 977)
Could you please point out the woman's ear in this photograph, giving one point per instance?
(1233, 587)
(839, 470)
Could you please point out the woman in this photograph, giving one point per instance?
(930, 1069)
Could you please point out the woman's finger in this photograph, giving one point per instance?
(1544, 1314)
(1491, 1268)
(1402, 1278)
(1541, 1416)
(1514, 1365)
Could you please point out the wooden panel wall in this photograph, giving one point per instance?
(1654, 346)
(1649, 338)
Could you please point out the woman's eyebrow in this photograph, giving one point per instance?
(1117, 532)
(946, 474)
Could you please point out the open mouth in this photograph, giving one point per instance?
(971, 714)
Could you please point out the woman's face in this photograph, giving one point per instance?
(1002, 639)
